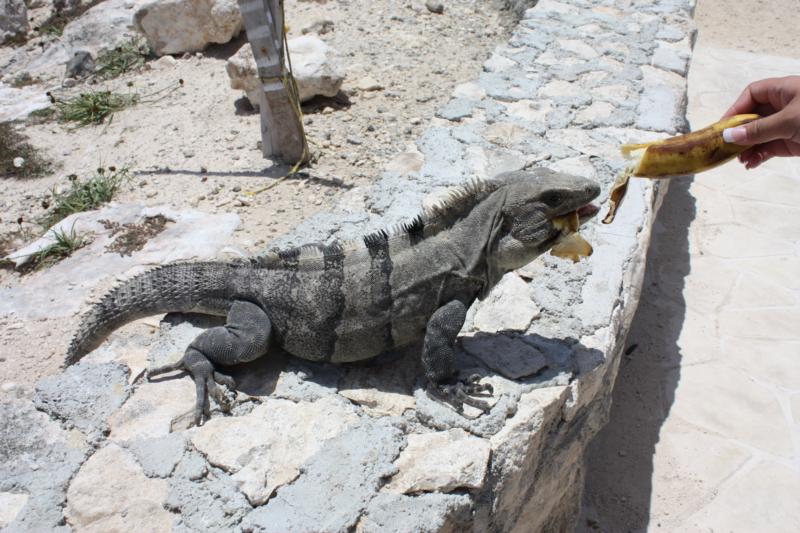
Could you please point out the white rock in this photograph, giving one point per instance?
(16, 104)
(13, 19)
(616, 94)
(672, 57)
(153, 410)
(110, 493)
(165, 62)
(577, 166)
(11, 503)
(442, 462)
(596, 111)
(368, 83)
(99, 29)
(469, 90)
(177, 26)
(406, 162)
(508, 307)
(561, 88)
(578, 47)
(266, 448)
(59, 290)
(313, 71)
(498, 63)
(533, 111)
(663, 101)
(18, 162)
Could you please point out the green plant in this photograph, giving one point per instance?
(93, 107)
(14, 145)
(85, 195)
(65, 243)
(124, 58)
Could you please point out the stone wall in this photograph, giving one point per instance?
(321, 448)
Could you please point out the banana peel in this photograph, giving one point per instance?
(572, 245)
(692, 153)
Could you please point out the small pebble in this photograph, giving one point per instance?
(434, 6)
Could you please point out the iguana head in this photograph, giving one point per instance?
(532, 202)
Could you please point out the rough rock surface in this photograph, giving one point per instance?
(178, 26)
(560, 106)
(311, 66)
(13, 20)
(99, 29)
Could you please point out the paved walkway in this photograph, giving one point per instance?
(705, 428)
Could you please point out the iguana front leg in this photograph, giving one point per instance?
(439, 360)
(244, 337)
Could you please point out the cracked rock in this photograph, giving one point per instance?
(443, 461)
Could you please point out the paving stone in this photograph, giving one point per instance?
(766, 360)
(443, 461)
(710, 396)
(773, 323)
(741, 502)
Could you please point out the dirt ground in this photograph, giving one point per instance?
(195, 145)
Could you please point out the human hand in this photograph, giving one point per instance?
(777, 134)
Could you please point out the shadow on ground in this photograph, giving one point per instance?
(619, 464)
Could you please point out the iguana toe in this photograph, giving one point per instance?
(207, 382)
(461, 392)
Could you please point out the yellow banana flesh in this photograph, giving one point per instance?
(692, 153)
(572, 245)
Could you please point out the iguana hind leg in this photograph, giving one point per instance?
(439, 360)
(244, 337)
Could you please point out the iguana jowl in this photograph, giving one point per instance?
(354, 301)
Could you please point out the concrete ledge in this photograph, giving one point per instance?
(321, 448)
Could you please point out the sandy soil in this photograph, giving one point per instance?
(197, 147)
(758, 26)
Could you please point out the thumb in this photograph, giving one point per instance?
(760, 131)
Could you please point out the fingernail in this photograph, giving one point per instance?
(736, 135)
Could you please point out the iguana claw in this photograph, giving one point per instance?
(206, 381)
(461, 391)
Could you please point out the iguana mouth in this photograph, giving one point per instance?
(587, 211)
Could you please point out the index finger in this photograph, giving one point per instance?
(754, 95)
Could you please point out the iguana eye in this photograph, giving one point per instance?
(551, 198)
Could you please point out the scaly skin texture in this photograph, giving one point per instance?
(354, 301)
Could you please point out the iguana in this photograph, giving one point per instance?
(346, 302)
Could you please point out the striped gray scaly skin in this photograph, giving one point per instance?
(352, 301)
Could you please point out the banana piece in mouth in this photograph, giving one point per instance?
(692, 153)
(571, 245)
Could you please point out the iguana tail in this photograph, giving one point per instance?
(177, 287)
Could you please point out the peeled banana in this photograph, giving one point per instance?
(677, 156)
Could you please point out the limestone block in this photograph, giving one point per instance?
(11, 504)
(99, 502)
(508, 307)
(313, 70)
(663, 101)
(383, 389)
(153, 410)
(443, 461)
(266, 448)
(13, 20)
(178, 26)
